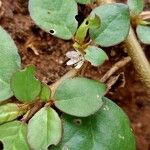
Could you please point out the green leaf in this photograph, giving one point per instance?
(115, 24)
(108, 129)
(45, 93)
(88, 23)
(79, 96)
(136, 6)
(25, 86)
(55, 17)
(9, 112)
(13, 136)
(96, 56)
(9, 63)
(44, 129)
(143, 33)
(85, 1)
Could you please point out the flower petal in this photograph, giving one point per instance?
(72, 61)
(72, 54)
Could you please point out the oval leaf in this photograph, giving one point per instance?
(13, 135)
(25, 86)
(85, 1)
(45, 93)
(143, 33)
(96, 56)
(45, 124)
(115, 24)
(9, 63)
(79, 96)
(108, 129)
(55, 17)
(9, 112)
(136, 6)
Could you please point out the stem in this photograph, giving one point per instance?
(72, 73)
(83, 70)
(138, 57)
(24, 107)
(31, 112)
(115, 68)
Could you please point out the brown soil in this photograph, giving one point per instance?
(50, 61)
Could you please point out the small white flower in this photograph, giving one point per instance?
(76, 58)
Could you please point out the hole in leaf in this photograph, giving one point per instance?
(77, 121)
(52, 31)
(87, 22)
(49, 12)
(1, 145)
